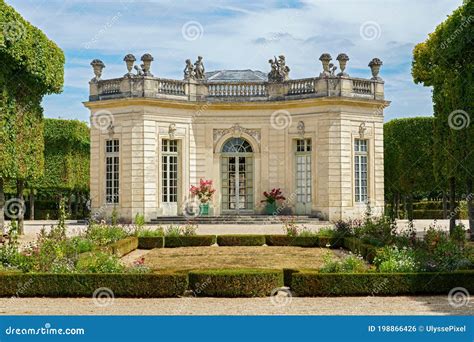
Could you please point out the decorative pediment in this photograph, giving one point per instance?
(236, 131)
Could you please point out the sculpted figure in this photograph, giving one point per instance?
(189, 70)
(199, 69)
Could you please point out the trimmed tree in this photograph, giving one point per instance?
(445, 62)
(32, 67)
(408, 155)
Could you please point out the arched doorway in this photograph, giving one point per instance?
(237, 178)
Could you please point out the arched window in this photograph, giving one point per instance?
(237, 145)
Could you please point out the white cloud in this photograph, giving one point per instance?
(240, 35)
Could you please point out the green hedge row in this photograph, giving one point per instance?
(190, 241)
(150, 242)
(313, 284)
(241, 240)
(123, 247)
(356, 246)
(84, 285)
(235, 283)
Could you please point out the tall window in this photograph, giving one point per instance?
(169, 170)
(303, 170)
(360, 169)
(112, 171)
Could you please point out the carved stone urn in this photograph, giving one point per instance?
(147, 59)
(97, 67)
(375, 65)
(129, 61)
(325, 59)
(342, 58)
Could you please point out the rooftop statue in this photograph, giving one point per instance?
(199, 69)
(189, 72)
(279, 70)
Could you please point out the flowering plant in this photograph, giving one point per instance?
(273, 196)
(204, 191)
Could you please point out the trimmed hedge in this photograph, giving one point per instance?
(235, 282)
(241, 240)
(123, 247)
(189, 241)
(84, 285)
(285, 240)
(332, 242)
(151, 242)
(313, 284)
(356, 246)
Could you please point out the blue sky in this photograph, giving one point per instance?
(232, 34)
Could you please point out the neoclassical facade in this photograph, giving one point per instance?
(319, 139)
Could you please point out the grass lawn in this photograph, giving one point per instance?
(187, 258)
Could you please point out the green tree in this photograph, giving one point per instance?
(445, 63)
(408, 154)
(32, 67)
(66, 155)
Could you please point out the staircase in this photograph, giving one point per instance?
(233, 219)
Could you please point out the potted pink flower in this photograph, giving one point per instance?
(271, 199)
(203, 192)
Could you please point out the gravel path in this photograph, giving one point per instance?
(435, 305)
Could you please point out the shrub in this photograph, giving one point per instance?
(241, 240)
(391, 259)
(348, 264)
(149, 242)
(312, 283)
(83, 285)
(285, 240)
(123, 247)
(235, 283)
(102, 234)
(356, 246)
(99, 262)
(151, 232)
(82, 244)
(190, 241)
(187, 230)
(139, 221)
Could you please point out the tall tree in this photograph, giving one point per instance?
(408, 154)
(32, 66)
(445, 62)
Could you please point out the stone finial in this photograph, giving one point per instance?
(129, 61)
(279, 70)
(342, 58)
(325, 58)
(375, 65)
(199, 70)
(147, 59)
(97, 67)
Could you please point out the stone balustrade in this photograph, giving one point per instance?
(192, 90)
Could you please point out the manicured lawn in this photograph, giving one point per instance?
(186, 258)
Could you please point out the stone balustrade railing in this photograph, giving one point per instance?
(192, 90)
(237, 89)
